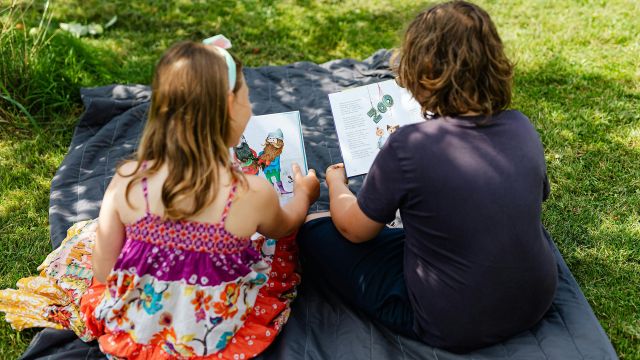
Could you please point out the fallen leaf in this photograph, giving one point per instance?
(111, 22)
(75, 29)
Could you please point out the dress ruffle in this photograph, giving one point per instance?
(52, 299)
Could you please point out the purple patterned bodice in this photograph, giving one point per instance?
(196, 252)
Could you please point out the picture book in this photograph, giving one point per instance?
(269, 146)
(365, 117)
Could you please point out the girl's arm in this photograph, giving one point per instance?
(282, 221)
(347, 216)
(109, 236)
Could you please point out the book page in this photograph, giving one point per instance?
(269, 146)
(365, 117)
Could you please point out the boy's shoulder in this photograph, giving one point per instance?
(513, 114)
(439, 127)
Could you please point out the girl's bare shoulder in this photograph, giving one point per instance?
(123, 173)
(127, 168)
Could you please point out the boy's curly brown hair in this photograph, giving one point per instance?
(453, 62)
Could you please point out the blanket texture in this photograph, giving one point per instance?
(321, 326)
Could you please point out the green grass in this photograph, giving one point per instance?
(577, 79)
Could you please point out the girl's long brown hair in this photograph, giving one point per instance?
(453, 62)
(187, 128)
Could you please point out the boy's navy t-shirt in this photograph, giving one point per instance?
(477, 265)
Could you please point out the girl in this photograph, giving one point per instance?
(175, 270)
(472, 266)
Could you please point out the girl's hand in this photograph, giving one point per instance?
(336, 174)
(308, 185)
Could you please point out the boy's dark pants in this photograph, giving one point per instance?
(368, 276)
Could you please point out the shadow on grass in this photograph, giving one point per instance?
(586, 122)
(609, 275)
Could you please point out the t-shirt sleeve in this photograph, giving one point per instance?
(383, 188)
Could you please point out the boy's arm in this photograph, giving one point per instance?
(346, 214)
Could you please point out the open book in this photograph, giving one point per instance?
(365, 117)
(269, 146)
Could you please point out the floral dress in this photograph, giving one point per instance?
(179, 289)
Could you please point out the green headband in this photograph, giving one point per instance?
(221, 43)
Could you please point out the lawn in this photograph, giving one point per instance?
(577, 78)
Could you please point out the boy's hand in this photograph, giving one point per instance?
(336, 174)
(308, 185)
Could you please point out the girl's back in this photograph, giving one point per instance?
(242, 219)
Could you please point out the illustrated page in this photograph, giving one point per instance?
(269, 146)
(365, 117)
